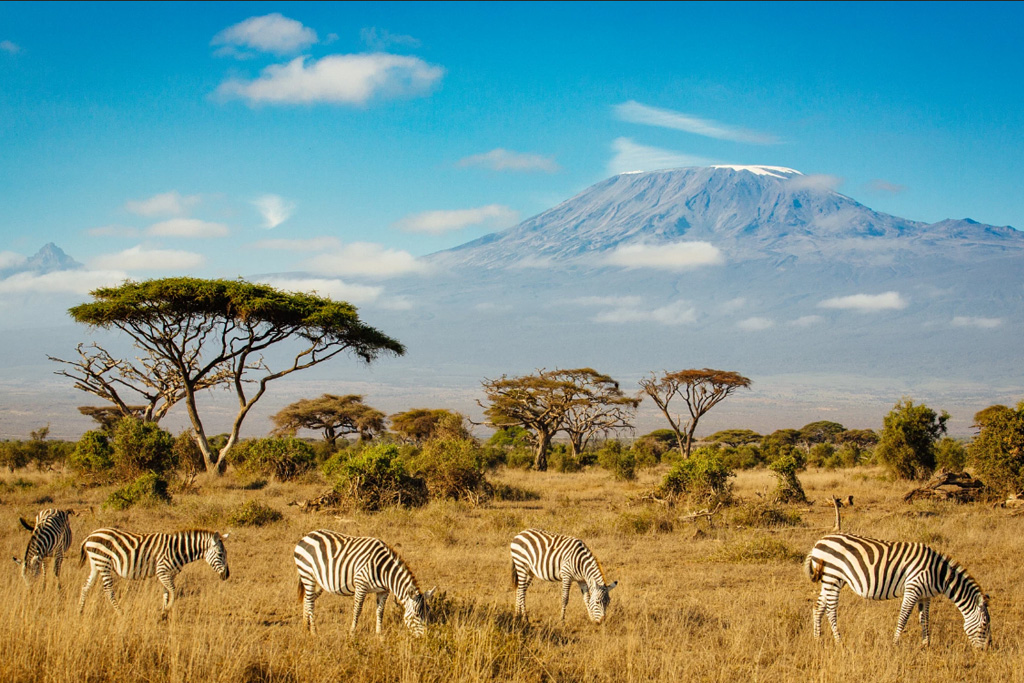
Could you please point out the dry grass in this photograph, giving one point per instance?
(727, 602)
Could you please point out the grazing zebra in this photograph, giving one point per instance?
(882, 570)
(347, 565)
(140, 556)
(559, 558)
(51, 537)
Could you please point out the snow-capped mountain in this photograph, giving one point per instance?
(48, 259)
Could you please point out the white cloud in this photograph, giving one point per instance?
(629, 157)
(113, 231)
(311, 244)
(141, 258)
(10, 259)
(328, 287)
(676, 313)
(274, 209)
(381, 39)
(270, 33)
(10, 47)
(867, 303)
(494, 216)
(672, 256)
(337, 79)
(187, 227)
(634, 112)
(506, 160)
(367, 259)
(733, 305)
(819, 181)
(983, 323)
(755, 324)
(806, 321)
(166, 204)
(879, 185)
(61, 281)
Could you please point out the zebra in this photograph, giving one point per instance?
(882, 570)
(553, 557)
(51, 537)
(349, 565)
(140, 556)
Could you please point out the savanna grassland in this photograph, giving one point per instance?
(720, 602)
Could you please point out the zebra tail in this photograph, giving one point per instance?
(302, 591)
(515, 577)
(81, 556)
(814, 568)
(30, 527)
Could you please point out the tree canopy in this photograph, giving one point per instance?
(333, 416)
(595, 404)
(906, 445)
(997, 453)
(208, 332)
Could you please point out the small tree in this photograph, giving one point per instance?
(701, 390)
(334, 416)
(822, 431)
(422, 424)
(997, 453)
(596, 405)
(906, 445)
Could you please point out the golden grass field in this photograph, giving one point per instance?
(720, 604)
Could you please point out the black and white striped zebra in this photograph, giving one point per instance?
(349, 565)
(51, 537)
(552, 557)
(140, 556)
(882, 570)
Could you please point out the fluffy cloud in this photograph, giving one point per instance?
(187, 227)
(506, 160)
(61, 281)
(867, 303)
(366, 259)
(166, 204)
(10, 259)
(755, 324)
(494, 216)
(328, 287)
(634, 112)
(311, 244)
(879, 185)
(629, 157)
(270, 33)
(983, 323)
(337, 79)
(381, 39)
(673, 256)
(141, 258)
(274, 209)
(676, 313)
(10, 47)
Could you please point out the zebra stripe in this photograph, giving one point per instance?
(140, 556)
(348, 565)
(552, 557)
(882, 570)
(51, 537)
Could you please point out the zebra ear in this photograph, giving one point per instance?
(614, 584)
(430, 593)
(16, 560)
(30, 527)
(225, 535)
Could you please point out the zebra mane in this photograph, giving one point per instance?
(604, 579)
(415, 581)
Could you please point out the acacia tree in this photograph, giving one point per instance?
(335, 416)
(422, 424)
(595, 404)
(201, 333)
(537, 403)
(906, 445)
(701, 390)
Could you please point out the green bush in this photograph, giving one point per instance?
(188, 459)
(519, 458)
(821, 455)
(282, 457)
(377, 478)
(906, 445)
(784, 468)
(93, 454)
(745, 457)
(148, 490)
(950, 454)
(702, 479)
(562, 460)
(254, 513)
(141, 447)
(452, 468)
(13, 455)
(997, 453)
(618, 460)
(657, 445)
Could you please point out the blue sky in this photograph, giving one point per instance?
(348, 139)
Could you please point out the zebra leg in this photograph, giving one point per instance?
(357, 606)
(382, 601)
(167, 580)
(922, 607)
(909, 601)
(85, 589)
(830, 598)
(108, 588)
(310, 593)
(525, 577)
(58, 559)
(566, 586)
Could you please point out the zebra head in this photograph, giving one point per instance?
(31, 566)
(598, 601)
(416, 612)
(977, 625)
(216, 556)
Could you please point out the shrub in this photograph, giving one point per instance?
(785, 468)
(820, 455)
(618, 460)
(562, 460)
(906, 445)
(702, 479)
(519, 459)
(13, 455)
(93, 454)
(657, 445)
(645, 520)
(254, 513)
(758, 550)
(281, 457)
(452, 469)
(377, 478)
(141, 447)
(148, 490)
(950, 454)
(765, 515)
(849, 454)
(516, 494)
(188, 458)
(745, 457)
(997, 453)
(331, 467)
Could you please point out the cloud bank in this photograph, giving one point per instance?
(866, 303)
(366, 259)
(141, 258)
(672, 256)
(494, 216)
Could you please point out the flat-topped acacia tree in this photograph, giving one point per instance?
(206, 328)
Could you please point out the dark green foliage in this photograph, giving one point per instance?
(141, 447)
(779, 443)
(822, 431)
(702, 479)
(254, 513)
(188, 459)
(13, 455)
(618, 460)
(906, 445)
(950, 455)
(997, 453)
(422, 424)
(453, 469)
(284, 458)
(93, 454)
(785, 468)
(511, 436)
(36, 451)
(821, 455)
(148, 490)
(863, 438)
(742, 458)
(733, 437)
(377, 477)
(561, 459)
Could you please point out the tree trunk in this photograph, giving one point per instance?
(210, 461)
(540, 459)
(689, 438)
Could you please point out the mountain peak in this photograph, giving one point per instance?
(50, 258)
(772, 171)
